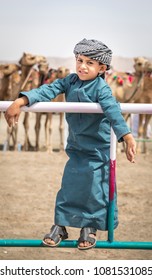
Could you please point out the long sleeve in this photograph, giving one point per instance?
(112, 111)
(45, 92)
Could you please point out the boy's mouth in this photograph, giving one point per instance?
(83, 72)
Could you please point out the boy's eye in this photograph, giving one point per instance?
(90, 62)
(79, 60)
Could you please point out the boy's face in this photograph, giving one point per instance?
(87, 68)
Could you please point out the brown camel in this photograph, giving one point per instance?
(145, 97)
(29, 80)
(137, 91)
(43, 76)
(17, 82)
(59, 74)
(127, 87)
(7, 71)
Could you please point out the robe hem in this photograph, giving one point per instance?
(77, 222)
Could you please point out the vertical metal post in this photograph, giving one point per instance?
(112, 183)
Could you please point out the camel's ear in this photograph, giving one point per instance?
(20, 61)
(135, 59)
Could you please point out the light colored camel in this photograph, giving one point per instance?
(43, 76)
(25, 80)
(29, 80)
(139, 90)
(145, 97)
(126, 87)
(59, 74)
(7, 71)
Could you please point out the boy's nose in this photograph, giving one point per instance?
(83, 65)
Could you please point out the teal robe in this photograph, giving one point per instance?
(83, 199)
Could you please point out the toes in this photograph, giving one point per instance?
(81, 244)
(85, 244)
(49, 241)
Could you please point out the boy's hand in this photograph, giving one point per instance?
(130, 147)
(13, 111)
(12, 114)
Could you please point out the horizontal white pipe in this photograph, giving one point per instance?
(78, 107)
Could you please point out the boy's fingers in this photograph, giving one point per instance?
(10, 121)
(16, 119)
(131, 155)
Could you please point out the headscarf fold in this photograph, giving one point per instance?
(95, 50)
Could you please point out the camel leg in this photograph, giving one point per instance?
(145, 126)
(37, 131)
(140, 133)
(11, 135)
(48, 132)
(9, 132)
(61, 130)
(14, 137)
(27, 145)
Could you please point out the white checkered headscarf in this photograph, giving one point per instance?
(95, 50)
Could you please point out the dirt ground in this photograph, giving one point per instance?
(29, 182)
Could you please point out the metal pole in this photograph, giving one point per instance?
(78, 107)
(112, 183)
(73, 244)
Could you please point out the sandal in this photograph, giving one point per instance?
(84, 236)
(57, 234)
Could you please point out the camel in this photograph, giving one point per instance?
(145, 97)
(24, 81)
(29, 80)
(43, 76)
(7, 71)
(136, 88)
(125, 87)
(59, 74)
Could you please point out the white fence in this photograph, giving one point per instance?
(76, 107)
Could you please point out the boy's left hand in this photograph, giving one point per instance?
(130, 147)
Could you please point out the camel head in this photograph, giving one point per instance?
(30, 60)
(43, 67)
(62, 72)
(8, 69)
(148, 67)
(139, 65)
(41, 59)
(52, 75)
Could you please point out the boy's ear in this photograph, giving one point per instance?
(103, 68)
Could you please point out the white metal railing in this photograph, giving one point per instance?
(76, 107)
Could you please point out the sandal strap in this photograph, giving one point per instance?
(84, 235)
(57, 233)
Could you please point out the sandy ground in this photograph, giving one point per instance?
(29, 182)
